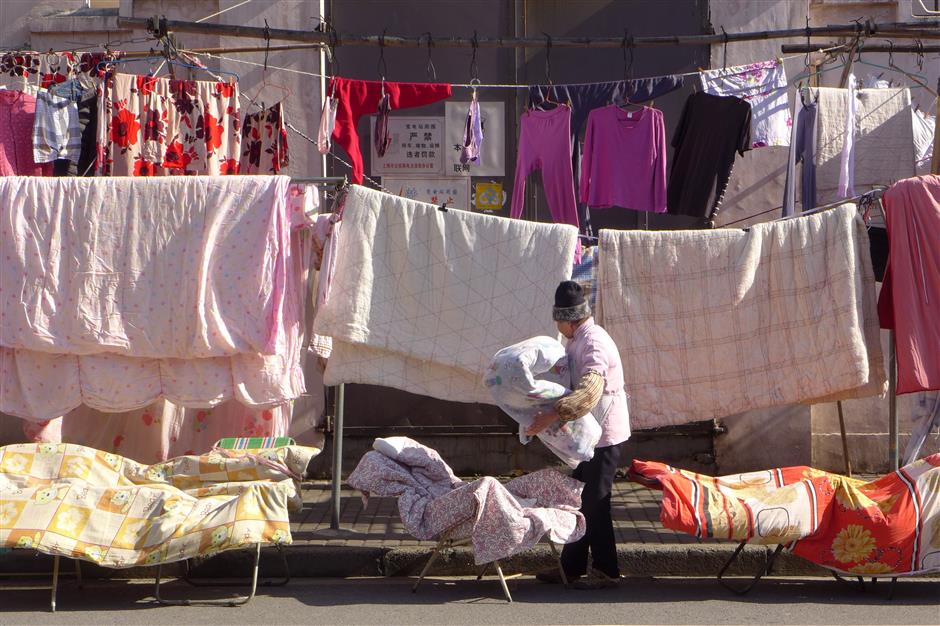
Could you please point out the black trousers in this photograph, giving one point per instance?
(598, 478)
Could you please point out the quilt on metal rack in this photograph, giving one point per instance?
(421, 299)
(82, 503)
(501, 519)
(712, 323)
(888, 526)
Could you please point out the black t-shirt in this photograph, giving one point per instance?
(710, 130)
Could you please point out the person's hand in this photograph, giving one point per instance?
(541, 422)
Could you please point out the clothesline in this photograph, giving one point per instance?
(467, 85)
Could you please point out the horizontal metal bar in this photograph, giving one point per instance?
(868, 29)
(318, 180)
(904, 48)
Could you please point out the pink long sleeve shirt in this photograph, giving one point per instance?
(625, 159)
(592, 350)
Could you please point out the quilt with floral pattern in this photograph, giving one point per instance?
(82, 503)
(889, 526)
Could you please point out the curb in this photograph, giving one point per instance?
(319, 561)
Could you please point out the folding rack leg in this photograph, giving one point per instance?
(561, 569)
(78, 574)
(486, 567)
(763, 570)
(265, 583)
(55, 581)
(502, 581)
(224, 602)
(427, 566)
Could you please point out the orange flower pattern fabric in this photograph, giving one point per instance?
(889, 526)
(82, 503)
(154, 126)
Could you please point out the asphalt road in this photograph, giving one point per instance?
(466, 601)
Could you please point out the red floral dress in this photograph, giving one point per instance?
(45, 69)
(264, 141)
(154, 126)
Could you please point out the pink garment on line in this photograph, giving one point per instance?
(545, 144)
(625, 159)
(164, 267)
(910, 294)
(161, 430)
(17, 114)
(592, 350)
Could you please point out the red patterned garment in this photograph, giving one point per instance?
(153, 126)
(43, 69)
(886, 527)
(264, 141)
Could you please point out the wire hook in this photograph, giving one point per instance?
(627, 43)
(724, 61)
(267, 43)
(382, 66)
(474, 68)
(429, 68)
(548, 57)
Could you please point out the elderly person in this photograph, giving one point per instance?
(597, 380)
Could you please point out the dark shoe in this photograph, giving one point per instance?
(552, 576)
(597, 579)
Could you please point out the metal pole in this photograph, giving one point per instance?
(337, 457)
(892, 404)
(803, 48)
(868, 29)
(845, 441)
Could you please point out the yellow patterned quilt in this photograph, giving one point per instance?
(78, 502)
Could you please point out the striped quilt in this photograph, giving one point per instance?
(886, 527)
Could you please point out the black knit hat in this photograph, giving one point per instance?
(570, 304)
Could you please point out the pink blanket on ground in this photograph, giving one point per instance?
(502, 519)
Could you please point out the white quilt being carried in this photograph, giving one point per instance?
(422, 299)
(712, 323)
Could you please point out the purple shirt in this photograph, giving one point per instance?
(592, 350)
(625, 159)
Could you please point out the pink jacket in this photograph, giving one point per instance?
(592, 350)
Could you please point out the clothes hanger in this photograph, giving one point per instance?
(919, 79)
(474, 68)
(264, 77)
(105, 64)
(548, 99)
(625, 104)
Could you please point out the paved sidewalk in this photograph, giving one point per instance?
(635, 511)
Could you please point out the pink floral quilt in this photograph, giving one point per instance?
(500, 519)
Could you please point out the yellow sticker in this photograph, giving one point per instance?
(489, 196)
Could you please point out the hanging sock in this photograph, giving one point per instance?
(361, 97)
(327, 124)
(472, 135)
(382, 138)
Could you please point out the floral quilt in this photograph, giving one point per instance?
(500, 519)
(889, 526)
(82, 503)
